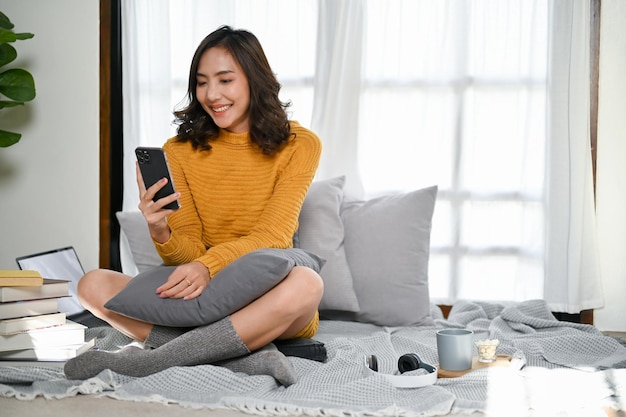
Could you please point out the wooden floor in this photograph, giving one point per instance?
(87, 405)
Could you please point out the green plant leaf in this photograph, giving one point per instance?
(8, 138)
(5, 103)
(17, 84)
(7, 54)
(7, 36)
(5, 22)
(24, 35)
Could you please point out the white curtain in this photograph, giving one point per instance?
(572, 264)
(338, 86)
(146, 82)
(488, 99)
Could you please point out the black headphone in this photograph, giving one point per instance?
(406, 363)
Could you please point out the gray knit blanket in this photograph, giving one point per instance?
(557, 368)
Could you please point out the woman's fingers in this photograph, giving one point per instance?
(140, 184)
(183, 289)
(147, 197)
(187, 281)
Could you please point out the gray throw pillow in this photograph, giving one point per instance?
(237, 285)
(134, 226)
(387, 243)
(321, 231)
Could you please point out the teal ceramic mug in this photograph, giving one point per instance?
(455, 348)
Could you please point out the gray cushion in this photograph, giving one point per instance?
(234, 287)
(387, 243)
(321, 231)
(134, 226)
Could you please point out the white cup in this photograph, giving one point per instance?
(455, 348)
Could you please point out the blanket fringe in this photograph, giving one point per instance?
(277, 410)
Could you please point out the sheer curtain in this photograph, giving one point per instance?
(484, 98)
(146, 83)
(338, 88)
(572, 259)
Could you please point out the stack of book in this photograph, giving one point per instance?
(31, 326)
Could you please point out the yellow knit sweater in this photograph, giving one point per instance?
(234, 199)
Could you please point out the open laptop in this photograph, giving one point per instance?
(62, 263)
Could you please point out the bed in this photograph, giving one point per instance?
(545, 366)
(556, 368)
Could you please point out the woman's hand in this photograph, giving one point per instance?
(187, 281)
(153, 211)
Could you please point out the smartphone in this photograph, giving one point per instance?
(153, 165)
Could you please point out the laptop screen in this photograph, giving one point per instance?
(60, 263)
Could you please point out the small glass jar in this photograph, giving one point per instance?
(487, 350)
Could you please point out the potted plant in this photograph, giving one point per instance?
(17, 85)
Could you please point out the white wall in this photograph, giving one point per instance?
(49, 181)
(611, 175)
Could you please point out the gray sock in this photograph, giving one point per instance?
(211, 343)
(160, 335)
(265, 361)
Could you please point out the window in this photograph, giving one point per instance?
(455, 96)
(452, 93)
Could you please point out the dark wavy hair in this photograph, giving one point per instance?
(269, 125)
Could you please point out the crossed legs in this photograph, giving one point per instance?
(281, 313)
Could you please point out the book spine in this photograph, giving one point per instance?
(19, 273)
(67, 334)
(47, 290)
(15, 309)
(13, 326)
(53, 354)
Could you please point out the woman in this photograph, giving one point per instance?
(242, 171)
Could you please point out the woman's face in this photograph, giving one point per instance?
(222, 90)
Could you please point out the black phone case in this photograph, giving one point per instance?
(153, 166)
